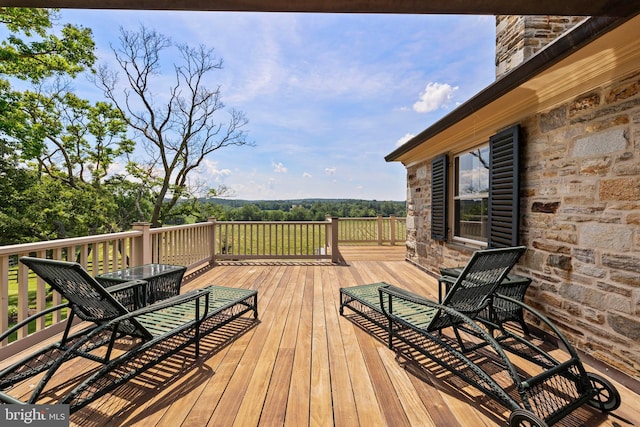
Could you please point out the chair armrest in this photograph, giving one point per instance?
(551, 329)
(391, 297)
(447, 281)
(5, 398)
(127, 285)
(451, 271)
(30, 319)
(450, 280)
(407, 295)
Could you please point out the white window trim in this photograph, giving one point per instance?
(452, 210)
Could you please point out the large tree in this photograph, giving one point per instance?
(179, 124)
(36, 49)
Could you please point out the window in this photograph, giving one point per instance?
(471, 195)
(485, 194)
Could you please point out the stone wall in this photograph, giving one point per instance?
(519, 37)
(580, 210)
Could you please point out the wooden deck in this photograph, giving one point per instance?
(303, 364)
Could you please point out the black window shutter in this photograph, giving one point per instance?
(439, 198)
(503, 188)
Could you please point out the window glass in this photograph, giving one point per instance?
(471, 198)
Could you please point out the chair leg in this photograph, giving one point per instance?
(525, 328)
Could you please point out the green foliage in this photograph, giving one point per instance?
(133, 201)
(48, 209)
(56, 148)
(15, 185)
(41, 55)
(33, 52)
(60, 211)
(71, 139)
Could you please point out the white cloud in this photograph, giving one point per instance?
(307, 175)
(435, 95)
(404, 139)
(330, 171)
(279, 167)
(211, 169)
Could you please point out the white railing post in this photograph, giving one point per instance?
(392, 229)
(212, 241)
(142, 247)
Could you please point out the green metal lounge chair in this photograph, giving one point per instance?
(455, 336)
(471, 293)
(154, 333)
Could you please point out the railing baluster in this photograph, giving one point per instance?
(41, 295)
(56, 298)
(4, 294)
(23, 297)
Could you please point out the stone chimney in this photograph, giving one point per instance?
(519, 37)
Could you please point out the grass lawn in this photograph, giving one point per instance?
(13, 301)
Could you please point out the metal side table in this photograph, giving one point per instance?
(163, 280)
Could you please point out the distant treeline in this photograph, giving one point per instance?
(293, 210)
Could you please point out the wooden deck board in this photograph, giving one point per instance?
(303, 364)
(320, 410)
(297, 412)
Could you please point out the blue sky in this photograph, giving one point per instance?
(327, 95)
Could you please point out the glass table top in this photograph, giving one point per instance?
(142, 272)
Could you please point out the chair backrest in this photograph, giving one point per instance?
(89, 300)
(477, 282)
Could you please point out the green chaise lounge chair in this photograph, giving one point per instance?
(151, 333)
(458, 338)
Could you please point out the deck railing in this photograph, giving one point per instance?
(238, 240)
(377, 230)
(194, 245)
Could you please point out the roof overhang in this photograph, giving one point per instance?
(472, 7)
(594, 53)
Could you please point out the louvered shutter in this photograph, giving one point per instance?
(439, 198)
(503, 188)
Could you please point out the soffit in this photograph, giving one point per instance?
(611, 56)
(474, 7)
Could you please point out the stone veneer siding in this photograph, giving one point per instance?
(519, 37)
(580, 219)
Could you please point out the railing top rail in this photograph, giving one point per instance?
(63, 243)
(370, 218)
(272, 222)
(159, 230)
